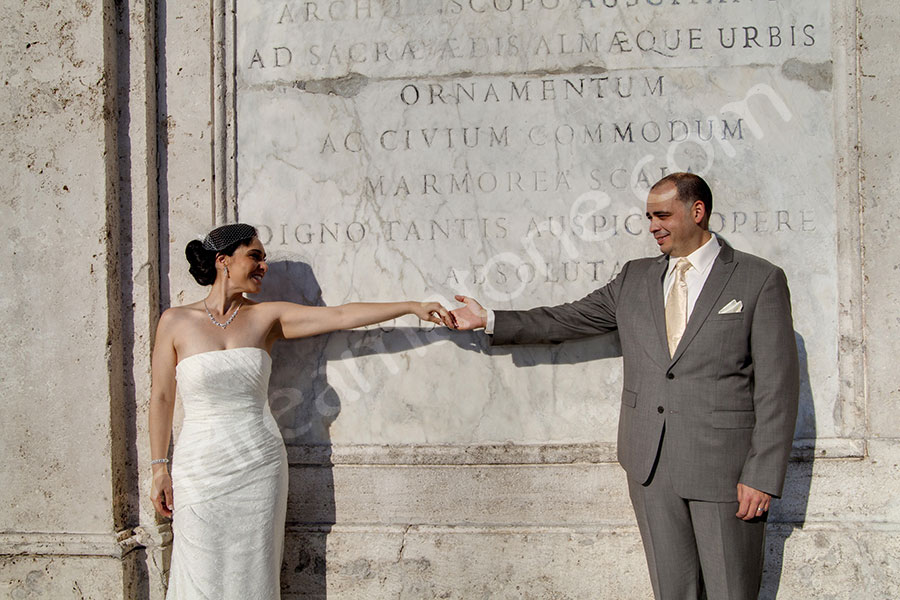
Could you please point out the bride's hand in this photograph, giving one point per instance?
(161, 493)
(432, 311)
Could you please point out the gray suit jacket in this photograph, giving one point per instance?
(728, 397)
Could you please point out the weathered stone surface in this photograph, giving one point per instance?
(186, 143)
(825, 491)
(41, 577)
(583, 564)
(67, 490)
(833, 532)
(465, 563)
(552, 495)
(55, 384)
(879, 178)
(831, 562)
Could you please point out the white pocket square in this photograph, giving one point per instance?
(735, 306)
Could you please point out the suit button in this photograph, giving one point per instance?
(670, 375)
(660, 409)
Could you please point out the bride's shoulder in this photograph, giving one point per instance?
(176, 315)
(185, 310)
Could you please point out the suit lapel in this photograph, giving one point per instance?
(655, 276)
(721, 272)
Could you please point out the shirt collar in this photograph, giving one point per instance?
(701, 258)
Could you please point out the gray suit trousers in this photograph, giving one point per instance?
(692, 544)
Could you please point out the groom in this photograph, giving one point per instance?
(710, 391)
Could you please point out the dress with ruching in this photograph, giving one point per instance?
(229, 479)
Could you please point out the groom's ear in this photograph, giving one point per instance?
(698, 212)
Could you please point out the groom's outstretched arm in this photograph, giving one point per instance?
(592, 315)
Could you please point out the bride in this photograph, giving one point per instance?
(228, 485)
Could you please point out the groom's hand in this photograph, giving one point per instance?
(753, 503)
(470, 316)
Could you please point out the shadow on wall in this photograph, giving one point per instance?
(306, 405)
(125, 408)
(789, 513)
(161, 559)
(571, 352)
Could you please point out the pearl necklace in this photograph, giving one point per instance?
(226, 323)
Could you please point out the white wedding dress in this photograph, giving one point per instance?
(229, 479)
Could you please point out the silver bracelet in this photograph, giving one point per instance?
(158, 461)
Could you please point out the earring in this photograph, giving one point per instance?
(226, 270)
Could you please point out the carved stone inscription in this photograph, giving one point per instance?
(503, 149)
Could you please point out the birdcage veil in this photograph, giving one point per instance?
(227, 235)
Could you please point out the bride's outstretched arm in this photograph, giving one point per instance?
(162, 405)
(296, 321)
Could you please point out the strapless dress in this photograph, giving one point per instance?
(229, 479)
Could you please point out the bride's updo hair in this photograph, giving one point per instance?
(221, 240)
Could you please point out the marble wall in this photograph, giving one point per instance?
(418, 149)
(504, 149)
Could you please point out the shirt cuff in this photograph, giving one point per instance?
(489, 326)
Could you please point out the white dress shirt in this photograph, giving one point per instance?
(701, 260)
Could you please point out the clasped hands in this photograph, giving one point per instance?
(470, 316)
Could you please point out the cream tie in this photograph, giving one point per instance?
(676, 306)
